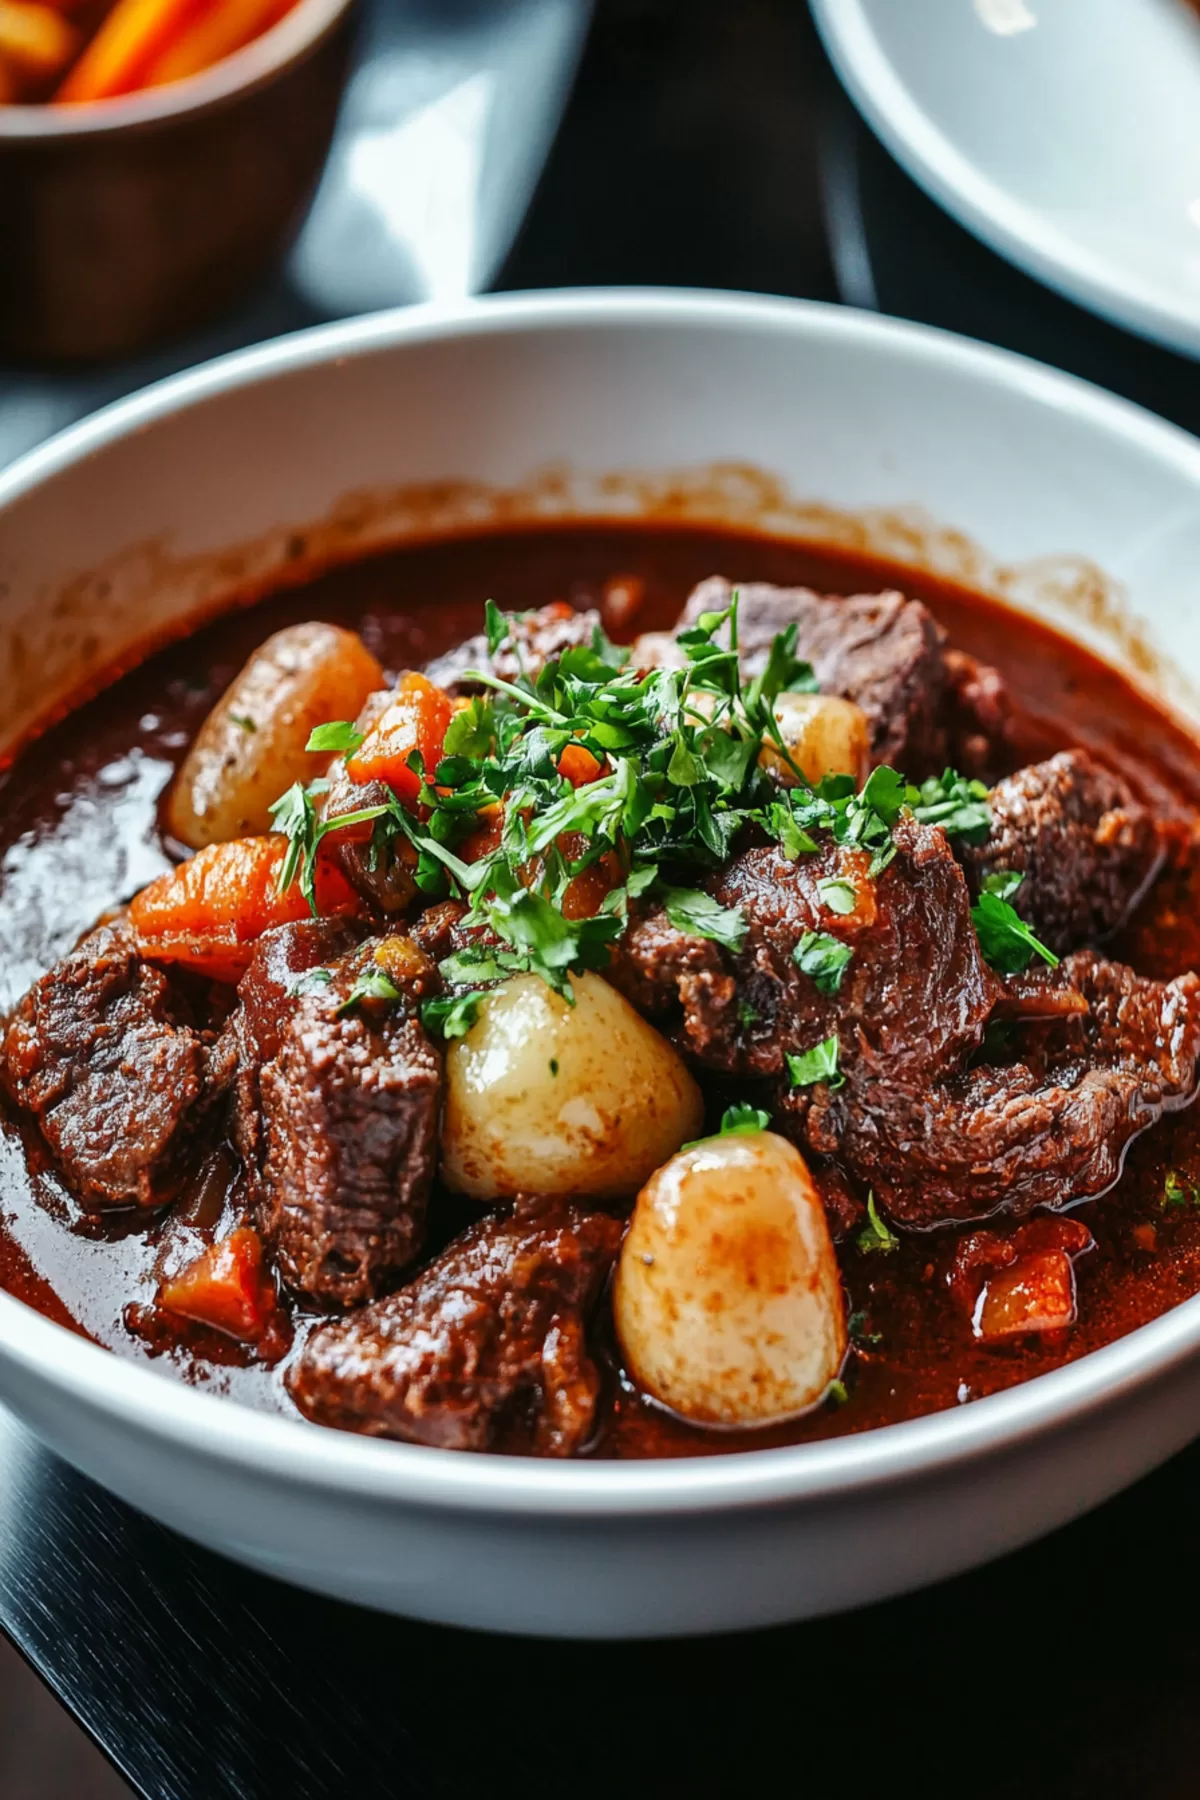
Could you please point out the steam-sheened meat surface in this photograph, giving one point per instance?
(1085, 846)
(346, 1133)
(103, 1052)
(1041, 1131)
(883, 651)
(484, 1349)
(534, 637)
(913, 999)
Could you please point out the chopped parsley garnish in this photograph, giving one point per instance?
(679, 782)
(450, 1015)
(823, 959)
(338, 735)
(875, 1236)
(691, 910)
(737, 1121)
(371, 984)
(959, 806)
(856, 1330)
(1005, 939)
(243, 721)
(310, 981)
(836, 1393)
(1179, 1191)
(818, 1064)
(838, 894)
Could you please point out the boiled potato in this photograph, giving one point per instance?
(825, 735)
(547, 1098)
(727, 1302)
(251, 746)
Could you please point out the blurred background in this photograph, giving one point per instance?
(479, 145)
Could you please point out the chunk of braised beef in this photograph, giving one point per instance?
(1087, 849)
(978, 718)
(104, 1052)
(536, 637)
(485, 1349)
(344, 1133)
(1047, 1128)
(913, 999)
(882, 651)
(269, 995)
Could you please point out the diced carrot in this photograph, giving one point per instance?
(416, 719)
(212, 37)
(208, 913)
(133, 37)
(225, 1287)
(578, 766)
(1036, 1294)
(36, 43)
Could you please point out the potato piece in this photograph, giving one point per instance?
(251, 746)
(728, 1302)
(825, 735)
(576, 1101)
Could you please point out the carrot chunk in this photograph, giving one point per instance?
(213, 36)
(1036, 1294)
(208, 913)
(226, 1288)
(415, 719)
(133, 36)
(578, 766)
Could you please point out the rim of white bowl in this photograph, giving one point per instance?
(1016, 231)
(225, 1430)
(290, 38)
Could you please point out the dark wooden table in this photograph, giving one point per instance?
(706, 143)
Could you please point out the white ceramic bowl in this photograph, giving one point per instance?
(173, 497)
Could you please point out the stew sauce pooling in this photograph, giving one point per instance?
(934, 1317)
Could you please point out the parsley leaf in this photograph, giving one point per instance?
(370, 984)
(737, 1121)
(823, 959)
(450, 1015)
(959, 806)
(838, 894)
(875, 1235)
(472, 730)
(690, 909)
(818, 1064)
(338, 734)
(1179, 1191)
(243, 721)
(1005, 939)
(495, 626)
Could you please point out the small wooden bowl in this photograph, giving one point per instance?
(127, 221)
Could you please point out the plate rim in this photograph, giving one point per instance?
(1013, 230)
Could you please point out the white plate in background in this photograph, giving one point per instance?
(1064, 133)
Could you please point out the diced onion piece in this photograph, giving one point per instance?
(824, 734)
(252, 745)
(728, 1302)
(1036, 1294)
(576, 1101)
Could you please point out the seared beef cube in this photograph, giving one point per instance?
(102, 1051)
(1043, 1131)
(1087, 850)
(913, 998)
(484, 1350)
(883, 651)
(539, 637)
(349, 1106)
(977, 713)
(269, 994)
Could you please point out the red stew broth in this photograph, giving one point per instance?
(79, 834)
